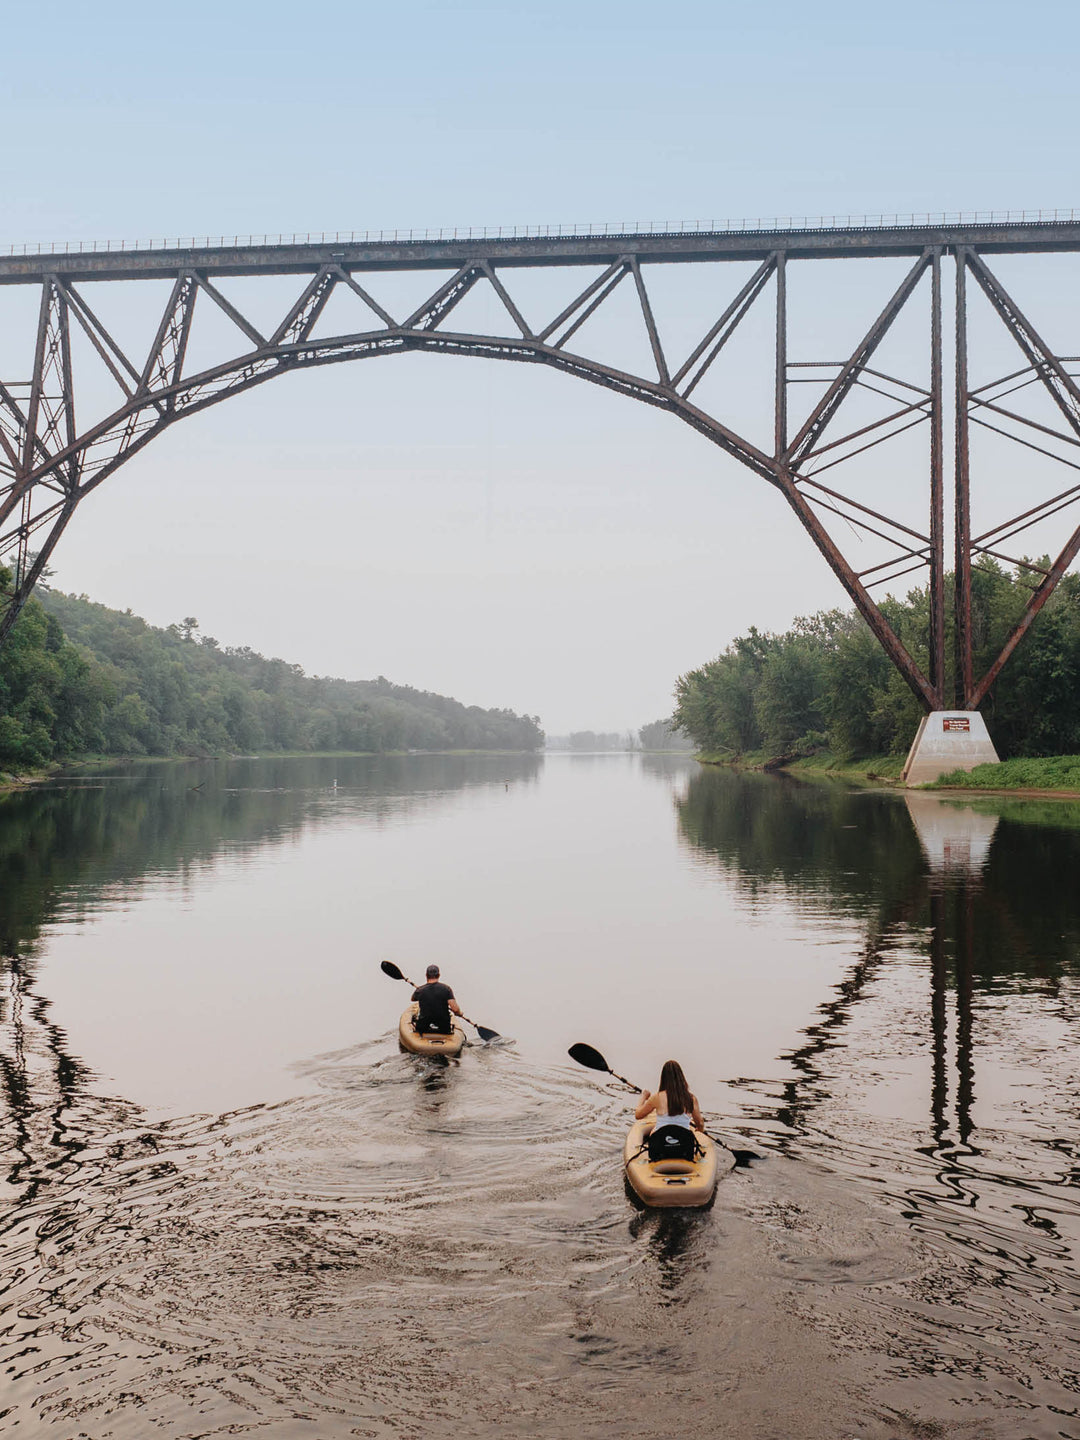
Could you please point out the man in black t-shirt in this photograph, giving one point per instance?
(436, 1001)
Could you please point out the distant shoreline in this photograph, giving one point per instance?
(10, 782)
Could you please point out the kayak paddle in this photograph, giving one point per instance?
(593, 1060)
(389, 968)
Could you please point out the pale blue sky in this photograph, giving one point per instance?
(271, 116)
(501, 534)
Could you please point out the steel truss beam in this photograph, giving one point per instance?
(48, 464)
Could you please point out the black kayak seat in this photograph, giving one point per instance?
(432, 1027)
(672, 1142)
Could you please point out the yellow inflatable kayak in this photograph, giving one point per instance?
(672, 1182)
(428, 1044)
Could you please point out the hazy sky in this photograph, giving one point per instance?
(500, 533)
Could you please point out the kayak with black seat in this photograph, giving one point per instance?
(672, 1182)
(428, 1044)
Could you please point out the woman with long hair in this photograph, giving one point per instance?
(672, 1103)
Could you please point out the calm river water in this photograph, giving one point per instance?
(230, 1205)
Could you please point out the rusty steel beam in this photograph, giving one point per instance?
(301, 319)
(979, 692)
(291, 257)
(28, 572)
(434, 310)
(803, 445)
(780, 421)
(507, 300)
(893, 646)
(1048, 368)
(166, 358)
(110, 354)
(937, 496)
(1063, 390)
(659, 359)
(618, 273)
(963, 679)
(730, 318)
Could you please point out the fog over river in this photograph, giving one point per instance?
(230, 1205)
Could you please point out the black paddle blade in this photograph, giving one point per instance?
(486, 1034)
(587, 1056)
(389, 968)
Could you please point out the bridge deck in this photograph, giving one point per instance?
(293, 258)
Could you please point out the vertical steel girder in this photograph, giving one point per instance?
(936, 638)
(48, 465)
(962, 508)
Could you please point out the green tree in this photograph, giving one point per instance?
(829, 676)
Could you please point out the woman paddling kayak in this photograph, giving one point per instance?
(682, 1173)
(668, 1157)
(672, 1104)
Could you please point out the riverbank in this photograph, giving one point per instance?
(10, 780)
(1045, 775)
(88, 764)
(873, 770)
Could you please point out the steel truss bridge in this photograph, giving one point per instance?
(50, 459)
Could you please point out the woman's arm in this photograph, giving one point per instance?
(699, 1123)
(646, 1105)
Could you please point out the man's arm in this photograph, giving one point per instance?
(454, 1006)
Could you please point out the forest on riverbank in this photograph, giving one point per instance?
(826, 684)
(78, 679)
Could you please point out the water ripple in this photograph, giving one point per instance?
(217, 1265)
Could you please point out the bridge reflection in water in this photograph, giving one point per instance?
(956, 839)
(985, 889)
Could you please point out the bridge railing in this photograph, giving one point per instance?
(623, 228)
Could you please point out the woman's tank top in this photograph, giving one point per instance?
(664, 1120)
(660, 1120)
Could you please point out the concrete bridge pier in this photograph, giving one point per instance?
(948, 740)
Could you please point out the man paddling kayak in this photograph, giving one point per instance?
(436, 1001)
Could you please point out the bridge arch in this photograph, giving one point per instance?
(48, 464)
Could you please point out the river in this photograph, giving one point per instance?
(230, 1205)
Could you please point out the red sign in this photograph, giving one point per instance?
(956, 722)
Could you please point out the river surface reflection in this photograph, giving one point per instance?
(230, 1205)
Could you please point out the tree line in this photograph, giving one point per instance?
(77, 678)
(827, 684)
(657, 735)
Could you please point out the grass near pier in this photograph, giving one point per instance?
(1050, 772)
